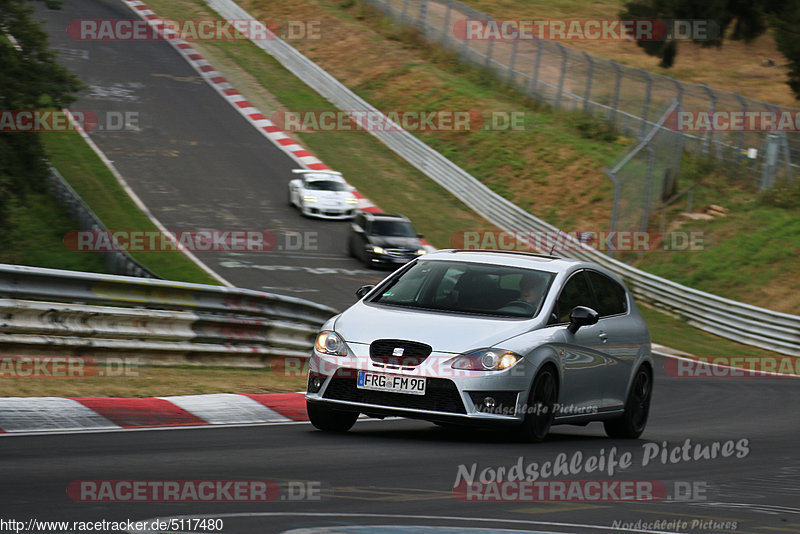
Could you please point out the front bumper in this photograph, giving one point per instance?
(324, 212)
(447, 398)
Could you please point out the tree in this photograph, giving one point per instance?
(787, 37)
(30, 79)
(747, 16)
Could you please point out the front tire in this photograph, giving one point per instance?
(637, 407)
(330, 420)
(540, 408)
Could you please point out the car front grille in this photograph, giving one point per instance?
(441, 394)
(411, 353)
(400, 252)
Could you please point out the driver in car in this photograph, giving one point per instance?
(530, 293)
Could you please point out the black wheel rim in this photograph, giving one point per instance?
(544, 400)
(640, 399)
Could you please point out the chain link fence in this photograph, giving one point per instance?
(632, 99)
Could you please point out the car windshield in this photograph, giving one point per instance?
(472, 288)
(326, 185)
(392, 229)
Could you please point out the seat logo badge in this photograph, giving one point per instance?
(398, 351)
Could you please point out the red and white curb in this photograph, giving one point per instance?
(69, 414)
(234, 97)
(237, 100)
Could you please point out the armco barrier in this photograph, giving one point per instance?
(737, 321)
(43, 311)
(119, 262)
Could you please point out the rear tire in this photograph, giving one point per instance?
(637, 407)
(330, 420)
(540, 408)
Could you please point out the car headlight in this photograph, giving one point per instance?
(421, 251)
(310, 198)
(378, 250)
(352, 201)
(329, 342)
(486, 360)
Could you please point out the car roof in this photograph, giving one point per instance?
(530, 260)
(327, 177)
(381, 215)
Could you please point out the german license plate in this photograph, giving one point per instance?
(412, 385)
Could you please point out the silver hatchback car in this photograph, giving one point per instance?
(461, 337)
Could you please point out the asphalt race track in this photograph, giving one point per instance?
(198, 164)
(399, 472)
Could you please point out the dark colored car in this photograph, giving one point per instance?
(384, 239)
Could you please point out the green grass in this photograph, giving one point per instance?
(35, 237)
(671, 332)
(91, 179)
(149, 381)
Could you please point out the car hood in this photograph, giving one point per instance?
(411, 243)
(444, 332)
(342, 195)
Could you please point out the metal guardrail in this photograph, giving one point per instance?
(159, 321)
(119, 262)
(733, 320)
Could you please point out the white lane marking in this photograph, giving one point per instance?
(226, 408)
(21, 414)
(329, 515)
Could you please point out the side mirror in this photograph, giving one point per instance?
(581, 316)
(420, 236)
(362, 291)
(357, 229)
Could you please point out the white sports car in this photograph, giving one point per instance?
(323, 194)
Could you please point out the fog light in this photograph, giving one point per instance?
(315, 383)
(489, 403)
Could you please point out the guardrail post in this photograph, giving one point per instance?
(587, 93)
(421, 18)
(514, 47)
(563, 73)
(648, 190)
(710, 137)
(534, 88)
(740, 143)
(446, 27)
(646, 107)
(403, 13)
(489, 51)
(615, 102)
(770, 160)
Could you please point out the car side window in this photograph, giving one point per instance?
(611, 298)
(576, 292)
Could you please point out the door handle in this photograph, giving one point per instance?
(603, 336)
